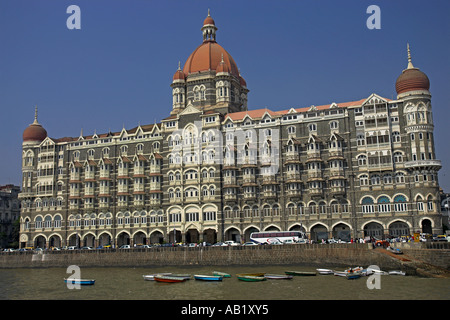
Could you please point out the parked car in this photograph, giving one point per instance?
(440, 237)
(72, 248)
(125, 246)
(288, 241)
(143, 246)
(87, 248)
(250, 243)
(219, 244)
(231, 243)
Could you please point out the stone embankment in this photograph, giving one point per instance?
(316, 255)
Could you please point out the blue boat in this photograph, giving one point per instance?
(80, 281)
(207, 278)
(353, 275)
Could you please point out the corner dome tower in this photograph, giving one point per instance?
(412, 80)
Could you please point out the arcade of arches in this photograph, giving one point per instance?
(316, 232)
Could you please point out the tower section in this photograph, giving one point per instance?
(414, 99)
(210, 78)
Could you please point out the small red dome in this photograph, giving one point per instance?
(209, 20)
(222, 67)
(412, 79)
(34, 132)
(179, 75)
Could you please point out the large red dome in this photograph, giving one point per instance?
(208, 57)
(412, 79)
(34, 132)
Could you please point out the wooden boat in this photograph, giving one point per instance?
(278, 276)
(80, 281)
(300, 273)
(397, 273)
(324, 271)
(184, 276)
(394, 250)
(151, 277)
(222, 274)
(251, 277)
(169, 279)
(207, 278)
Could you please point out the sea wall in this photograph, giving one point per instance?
(308, 255)
(436, 254)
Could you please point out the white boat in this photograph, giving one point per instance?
(377, 271)
(324, 271)
(397, 273)
(151, 277)
(340, 273)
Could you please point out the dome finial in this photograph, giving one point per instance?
(410, 65)
(209, 14)
(179, 65)
(35, 115)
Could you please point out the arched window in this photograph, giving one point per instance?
(396, 136)
(384, 204)
(398, 157)
(362, 160)
(400, 204)
(367, 205)
(364, 180)
(430, 205)
(419, 203)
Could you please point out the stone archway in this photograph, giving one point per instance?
(427, 226)
(342, 232)
(157, 237)
(55, 241)
(123, 238)
(235, 235)
(40, 242)
(192, 236)
(89, 240)
(104, 239)
(398, 229)
(210, 236)
(374, 230)
(319, 232)
(139, 238)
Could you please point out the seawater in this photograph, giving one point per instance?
(128, 284)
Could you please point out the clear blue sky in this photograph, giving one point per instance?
(116, 71)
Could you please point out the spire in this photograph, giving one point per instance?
(179, 65)
(35, 115)
(410, 65)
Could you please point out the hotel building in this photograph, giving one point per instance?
(213, 170)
